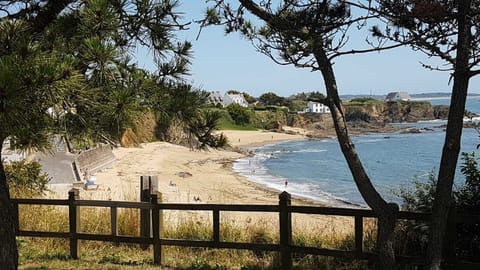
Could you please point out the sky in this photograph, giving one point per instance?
(229, 62)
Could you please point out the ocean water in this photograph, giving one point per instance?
(317, 170)
(472, 105)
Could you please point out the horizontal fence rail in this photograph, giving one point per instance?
(284, 209)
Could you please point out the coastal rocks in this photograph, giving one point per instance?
(393, 112)
(405, 111)
(415, 130)
(440, 111)
(311, 121)
(471, 124)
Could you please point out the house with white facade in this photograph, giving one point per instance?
(316, 107)
(234, 98)
(396, 96)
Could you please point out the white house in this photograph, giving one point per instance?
(234, 98)
(316, 107)
(395, 96)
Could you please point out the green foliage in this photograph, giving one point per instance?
(271, 98)
(298, 105)
(232, 126)
(469, 194)
(26, 178)
(248, 98)
(179, 104)
(364, 100)
(240, 115)
(413, 236)
(204, 126)
(234, 92)
(75, 62)
(420, 198)
(113, 258)
(468, 202)
(316, 95)
(32, 82)
(269, 119)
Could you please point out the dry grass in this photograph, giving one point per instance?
(54, 253)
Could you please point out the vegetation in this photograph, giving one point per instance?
(65, 69)
(442, 29)
(26, 179)
(240, 115)
(413, 236)
(366, 100)
(52, 253)
(312, 34)
(271, 98)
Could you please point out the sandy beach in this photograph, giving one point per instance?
(184, 174)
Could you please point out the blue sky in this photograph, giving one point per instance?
(223, 63)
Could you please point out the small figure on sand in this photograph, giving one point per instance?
(286, 183)
(172, 184)
(85, 176)
(197, 199)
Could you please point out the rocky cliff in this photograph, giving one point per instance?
(390, 112)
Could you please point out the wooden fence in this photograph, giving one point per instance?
(284, 209)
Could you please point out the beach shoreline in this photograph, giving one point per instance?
(189, 176)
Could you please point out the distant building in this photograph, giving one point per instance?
(215, 98)
(316, 107)
(395, 96)
(234, 98)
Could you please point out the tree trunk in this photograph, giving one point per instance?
(385, 238)
(386, 212)
(8, 244)
(451, 146)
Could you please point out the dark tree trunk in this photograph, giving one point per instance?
(386, 212)
(451, 146)
(385, 238)
(8, 244)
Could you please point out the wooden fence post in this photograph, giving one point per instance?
(285, 231)
(16, 217)
(157, 229)
(145, 196)
(358, 236)
(216, 226)
(74, 220)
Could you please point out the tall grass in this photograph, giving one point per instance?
(53, 253)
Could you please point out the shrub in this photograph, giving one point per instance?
(26, 178)
(239, 114)
(412, 236)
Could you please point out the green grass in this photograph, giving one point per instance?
(230, 126)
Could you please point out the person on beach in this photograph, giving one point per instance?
(286, 183)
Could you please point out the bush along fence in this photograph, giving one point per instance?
(285, 246)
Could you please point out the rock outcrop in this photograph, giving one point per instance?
(391, 112)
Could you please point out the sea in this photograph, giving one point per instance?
(316, 169)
